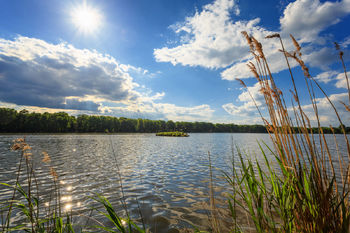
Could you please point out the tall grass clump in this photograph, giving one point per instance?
(308, 190)
(25, 199)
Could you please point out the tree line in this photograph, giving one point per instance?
(12, 121)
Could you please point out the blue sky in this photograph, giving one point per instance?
(171, 60)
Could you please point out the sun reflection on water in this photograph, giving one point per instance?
(68, 207)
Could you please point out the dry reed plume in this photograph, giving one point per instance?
(309, 196)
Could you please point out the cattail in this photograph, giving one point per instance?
(276, 35)
(46, 158)
(296, 44)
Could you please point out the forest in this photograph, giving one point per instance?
(12, 121)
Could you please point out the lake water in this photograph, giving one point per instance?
(164, 178)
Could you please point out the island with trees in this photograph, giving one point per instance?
(172, 134)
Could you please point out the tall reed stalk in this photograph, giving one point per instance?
(305, 194)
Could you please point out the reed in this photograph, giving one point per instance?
(37, 216)
(52, 216)
(304, 194)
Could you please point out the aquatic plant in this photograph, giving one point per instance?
(53, 215)
(37, 216)
(305, 193)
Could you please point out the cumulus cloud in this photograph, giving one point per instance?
(248, 108)
(246, 111)
(163, 111)
(41, 76)
(214, 39)
(333, 76)
(130, 68)
(305, 19)
(326, 112)
(327, 76)
(341, 80)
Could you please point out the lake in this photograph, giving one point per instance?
(164, 178)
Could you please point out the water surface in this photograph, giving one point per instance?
(164, 178)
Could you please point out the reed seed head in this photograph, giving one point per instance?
(276, 35)
(249, 40)
(53, 173)
(253, 70)
(46, 158)
(20, 144)
(296, 45)
(258, 47)
(241, 82)
(337, 47)
(347, 107)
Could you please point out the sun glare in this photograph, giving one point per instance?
(86, 19)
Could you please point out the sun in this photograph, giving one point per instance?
(86, 18)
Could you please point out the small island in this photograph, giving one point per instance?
(172, 134)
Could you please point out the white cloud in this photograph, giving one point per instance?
(130, 68)
(275, 60)
(164, 111)
(326, 76)
(328, 116)
(248, 108)
(346, 42)
(41, 76)
(305, 19)
(247, 111)
(214, 40)
(333, 76)
(341, 80)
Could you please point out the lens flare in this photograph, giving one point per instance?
(86, 18)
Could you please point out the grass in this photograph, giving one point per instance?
(303, 193)
(26, 200)
(172, 134)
